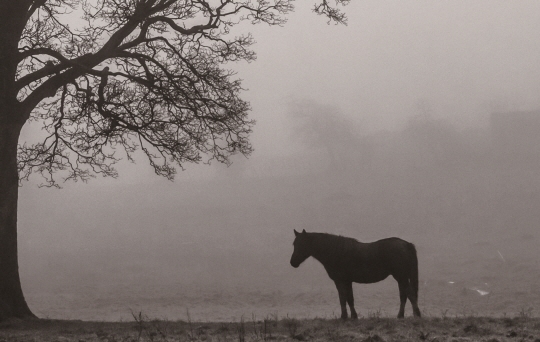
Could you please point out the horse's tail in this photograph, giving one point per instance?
(413, 277)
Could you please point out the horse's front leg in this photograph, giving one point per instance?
(350, 300)
(342, 291)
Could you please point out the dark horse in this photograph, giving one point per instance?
(347, 260)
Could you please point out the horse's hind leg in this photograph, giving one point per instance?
(342, 291)
(413, 297)
(350, 300)
(403, 286)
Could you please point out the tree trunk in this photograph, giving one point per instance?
(12, 22)
(12, 302)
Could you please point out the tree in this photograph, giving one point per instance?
(127, 76)
(326, 127)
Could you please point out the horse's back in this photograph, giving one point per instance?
(397, 254)
(393, 254)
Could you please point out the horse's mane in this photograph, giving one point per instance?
(330, 246)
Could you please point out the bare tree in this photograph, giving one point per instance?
(326, 127)
(106, 78)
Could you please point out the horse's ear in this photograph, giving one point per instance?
(303, 231)
(296, 233)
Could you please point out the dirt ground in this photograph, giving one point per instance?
(374, 328)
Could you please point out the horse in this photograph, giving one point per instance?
(347, 260)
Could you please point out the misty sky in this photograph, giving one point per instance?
(461, 59)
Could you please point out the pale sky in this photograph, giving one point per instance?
(463, 58)
(460, 59)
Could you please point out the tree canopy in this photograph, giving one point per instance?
(136, 74)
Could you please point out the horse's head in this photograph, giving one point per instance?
(302, 249)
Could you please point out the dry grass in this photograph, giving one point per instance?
(433, 329)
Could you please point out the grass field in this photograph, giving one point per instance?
(373, 328)
(456, 280)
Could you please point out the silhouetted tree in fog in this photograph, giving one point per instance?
(106, 78)
(326, 127)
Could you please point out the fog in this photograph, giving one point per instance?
(419, 119)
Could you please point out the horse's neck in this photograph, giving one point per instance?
(322, 251)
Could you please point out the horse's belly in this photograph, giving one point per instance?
(368, 277)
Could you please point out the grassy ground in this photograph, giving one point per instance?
(373, 328)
